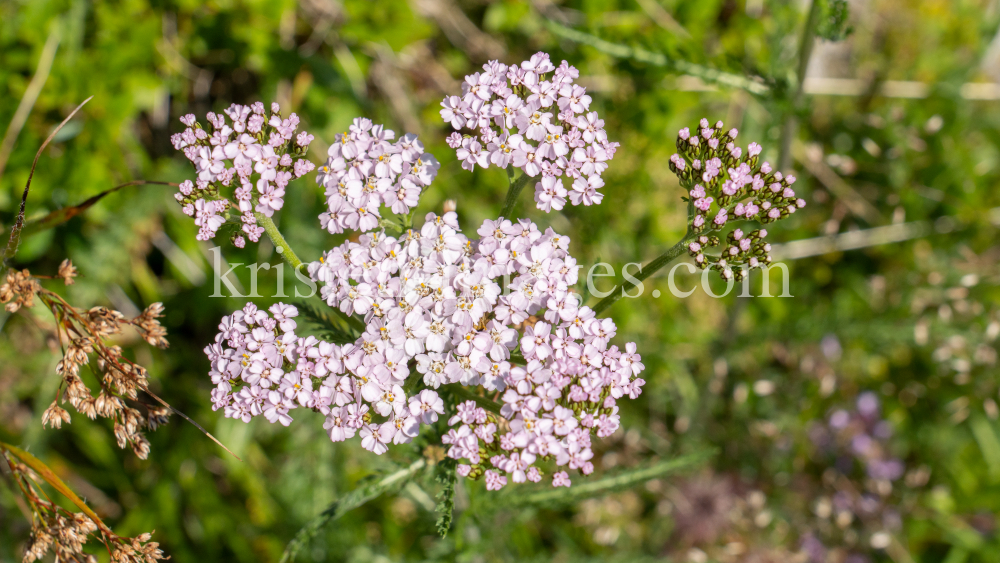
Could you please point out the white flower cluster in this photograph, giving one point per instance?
(365, 171)
(556, 133)
(260, 367)
(442, 310)
(432, 299)
(256, 152)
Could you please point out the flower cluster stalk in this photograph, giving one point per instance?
(512, 194)
(648, 270)
(804, 54)
(282, 247)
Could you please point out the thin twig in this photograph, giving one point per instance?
(386, 76)
(851, 240)
(812, 158)
(663, 18)
(189, 419)
(15, 233)
(60, 216)
(459, 29)
(9, 474)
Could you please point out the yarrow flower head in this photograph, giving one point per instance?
(365, 171)
(254, 153)
(725, 185)
(433, 305)
(435, 318)
(536, 118)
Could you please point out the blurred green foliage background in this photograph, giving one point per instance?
(912, 141)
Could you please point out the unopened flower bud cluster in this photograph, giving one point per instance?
(535, 121)
(254, 152)
(726, 185)
(749, 249)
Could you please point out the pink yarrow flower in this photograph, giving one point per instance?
(251, 156)
(550, 131)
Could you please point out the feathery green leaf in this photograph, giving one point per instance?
(445, 475)
(328, 327)
(346, 503)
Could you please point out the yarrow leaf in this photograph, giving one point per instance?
(327, 325)
(348, 502)
(445, 475)
(833, 20)
(754, 84)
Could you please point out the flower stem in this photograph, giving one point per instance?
(286, 252)
(647, 270)
(804, 54)
(515, 190)
(280, 244)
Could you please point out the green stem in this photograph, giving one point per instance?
(515, 190)
(390, 224)
(805, 53)
(52, 479)
(754, 84)
(649, 269)
(662, 260)
(280, 244)
(282, 247)
(806, 47)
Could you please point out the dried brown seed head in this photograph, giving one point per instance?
(55, 416)
(67, 271)
(19, 290)
(157, 416)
